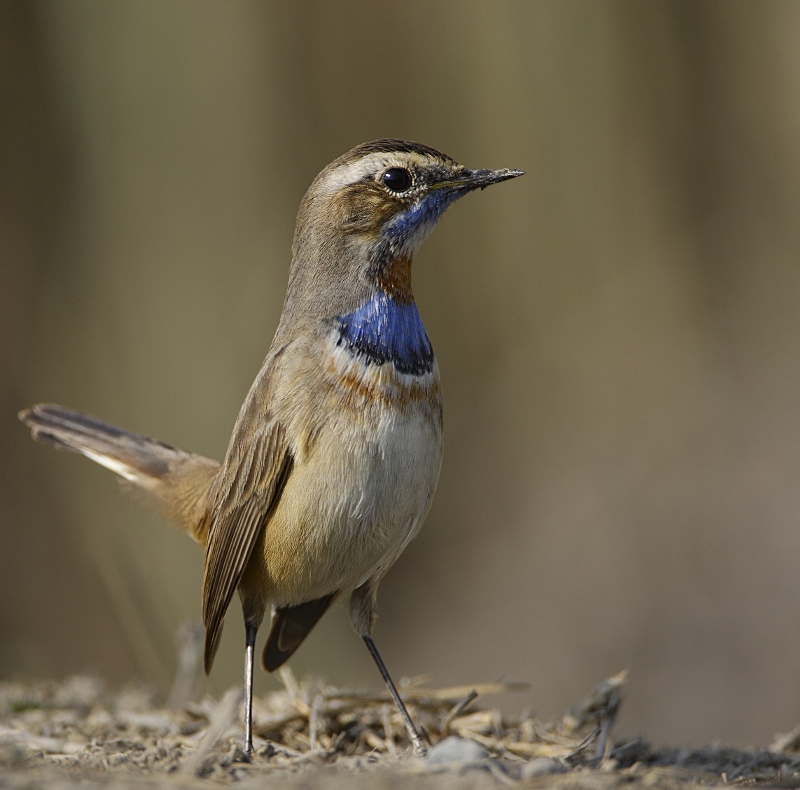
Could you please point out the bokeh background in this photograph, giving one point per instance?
(618, 332)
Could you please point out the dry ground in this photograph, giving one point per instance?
(75, 734)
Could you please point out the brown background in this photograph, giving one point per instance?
(618, 332)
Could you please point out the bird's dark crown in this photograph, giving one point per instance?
(390, 146)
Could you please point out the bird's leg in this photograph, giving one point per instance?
(249, 659)
(419, 748)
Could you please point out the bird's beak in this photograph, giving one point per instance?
(468, 180)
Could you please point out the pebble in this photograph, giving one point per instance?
(456, 750)
(541, 766)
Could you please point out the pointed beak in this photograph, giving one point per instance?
(468, 180)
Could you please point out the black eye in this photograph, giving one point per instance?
(397, 179)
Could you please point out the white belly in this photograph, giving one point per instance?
(367, 461)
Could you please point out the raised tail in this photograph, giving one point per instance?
(178, 480)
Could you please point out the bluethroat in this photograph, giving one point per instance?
(335, 455)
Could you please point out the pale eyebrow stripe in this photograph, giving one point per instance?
(344, 175)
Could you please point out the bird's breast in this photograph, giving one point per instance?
(366, 439)
(378, 360)
(387, 329)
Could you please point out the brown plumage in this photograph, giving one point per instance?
(176, 481)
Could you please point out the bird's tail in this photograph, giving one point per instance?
(177, 479)
(290, 626)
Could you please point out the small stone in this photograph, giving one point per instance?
(541, 766)
(456, 750)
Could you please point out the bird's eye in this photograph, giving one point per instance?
(398, 179)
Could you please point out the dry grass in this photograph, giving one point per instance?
(310, 734)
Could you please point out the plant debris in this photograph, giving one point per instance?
(316, 735)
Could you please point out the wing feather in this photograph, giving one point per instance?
(246, 492)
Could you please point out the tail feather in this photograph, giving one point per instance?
(134, 457)
(180, 480)
(290, 626)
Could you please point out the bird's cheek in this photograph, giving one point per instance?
(363, 211)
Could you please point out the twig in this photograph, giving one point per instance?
(388, 733)
(313, 723)
(190, 650)
(222, 718)
(457, 710)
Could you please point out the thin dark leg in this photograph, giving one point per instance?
(419, 748)
(249, 659)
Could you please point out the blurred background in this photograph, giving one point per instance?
(618, 332)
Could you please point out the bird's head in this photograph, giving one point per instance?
(366, 213)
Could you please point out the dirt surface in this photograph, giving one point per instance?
(75, 733)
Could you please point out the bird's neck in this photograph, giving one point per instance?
(394, 279)
(387, 327)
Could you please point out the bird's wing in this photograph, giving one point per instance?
(246, 491)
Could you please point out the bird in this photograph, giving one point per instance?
(335, 455)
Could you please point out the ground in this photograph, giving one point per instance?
(74, 733)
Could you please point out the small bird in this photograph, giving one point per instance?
(335, 455)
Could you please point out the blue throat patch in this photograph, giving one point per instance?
(386, 330)
(426, 211)
(418, 218)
